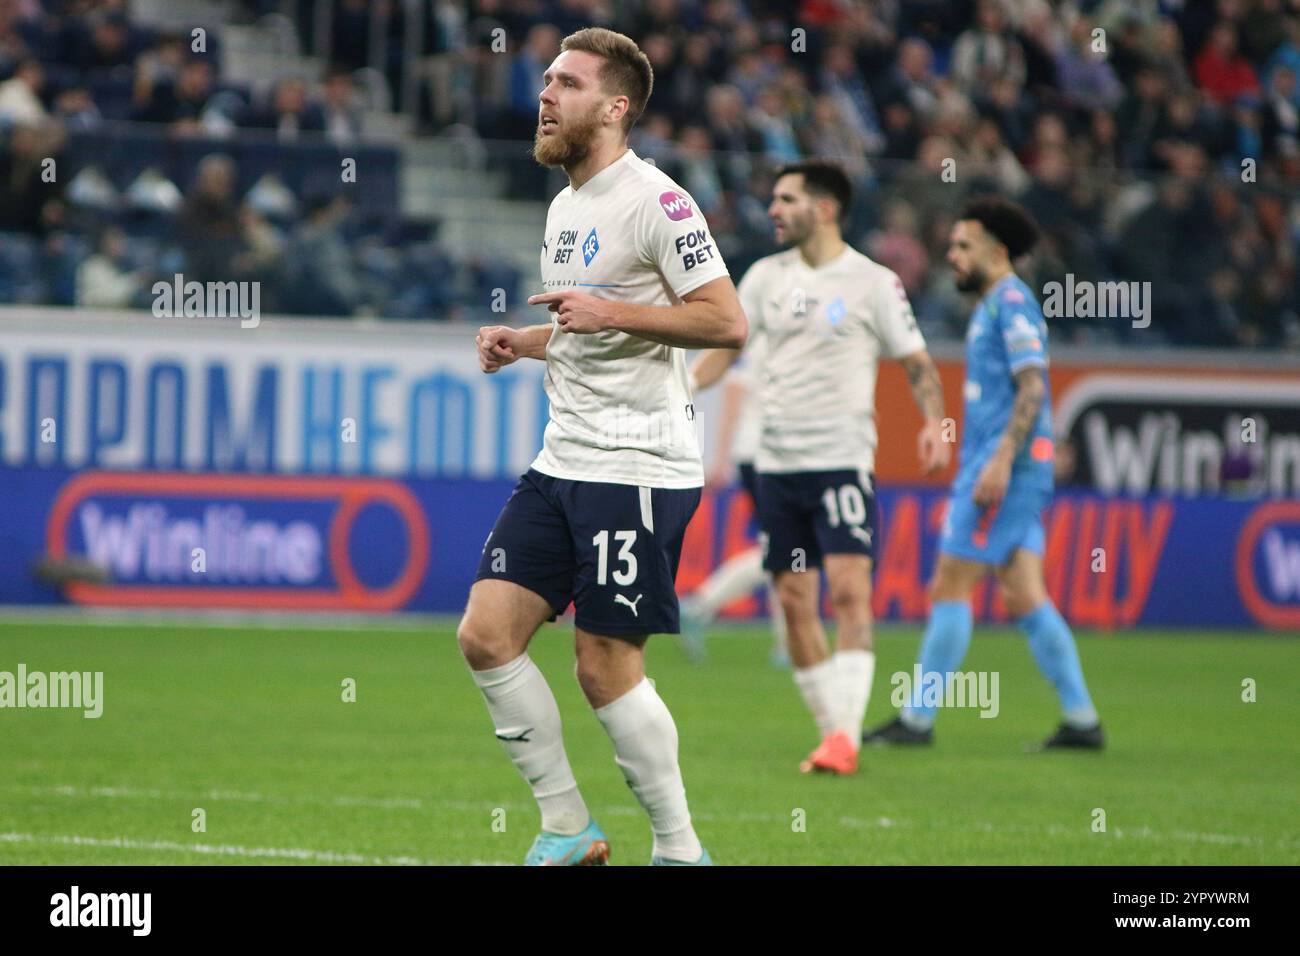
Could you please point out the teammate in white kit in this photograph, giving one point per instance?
(633, 277)
(824, 314)
(739, 575)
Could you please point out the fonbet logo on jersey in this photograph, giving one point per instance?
(695, 249)
(675, 206)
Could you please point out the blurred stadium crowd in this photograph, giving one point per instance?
(1155, 141)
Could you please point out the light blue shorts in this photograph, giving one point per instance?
(991, 536)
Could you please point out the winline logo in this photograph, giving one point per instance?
(77, 690)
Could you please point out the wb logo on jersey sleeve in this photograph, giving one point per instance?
(675, 206)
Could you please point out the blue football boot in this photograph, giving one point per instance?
(704, 860)
(588, 848)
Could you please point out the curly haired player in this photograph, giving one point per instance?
(1004, 480)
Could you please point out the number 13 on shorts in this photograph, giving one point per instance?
(625, 540)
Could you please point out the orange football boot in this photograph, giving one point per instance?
(836, 754)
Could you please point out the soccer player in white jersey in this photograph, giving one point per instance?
(825, 314)
(739, 575)
(633, 277)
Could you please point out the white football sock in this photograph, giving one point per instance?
(820, 687)
(856, 670)
(522, 707)
(645, 749)
(735, 578)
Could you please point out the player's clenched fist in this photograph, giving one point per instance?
(498, 346)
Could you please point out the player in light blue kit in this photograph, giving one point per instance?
(1004, 481)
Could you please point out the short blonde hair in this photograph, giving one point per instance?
(626, 69)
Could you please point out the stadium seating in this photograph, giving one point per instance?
(1177, 101)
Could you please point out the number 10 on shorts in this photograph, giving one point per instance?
(625, 555)
(850, 504)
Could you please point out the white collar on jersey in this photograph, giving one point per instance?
(601, 180)
(826, 266)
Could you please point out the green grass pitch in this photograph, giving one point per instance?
(249, 725)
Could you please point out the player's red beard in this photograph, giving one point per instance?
(570, 142)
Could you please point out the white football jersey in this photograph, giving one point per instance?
(621, 406)
(823, 331)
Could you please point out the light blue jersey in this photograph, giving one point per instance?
(1007, 334)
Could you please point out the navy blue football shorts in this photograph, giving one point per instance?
(807, 514)
(749, 481)
(611, 549)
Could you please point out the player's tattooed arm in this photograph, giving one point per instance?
(927, 389)
(1031, 390)
(995, 476)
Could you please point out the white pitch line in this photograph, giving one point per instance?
(467, 806)
(243, 796)
(242, 852)
(1116, 833)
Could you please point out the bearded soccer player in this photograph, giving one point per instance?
(633, 278)
(1004, 480)
(823, 315)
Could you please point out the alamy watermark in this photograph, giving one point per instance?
(654, 432)
(1083, 299)
(130, 910)
(78, 690)
(194, 299)
(955, 689)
